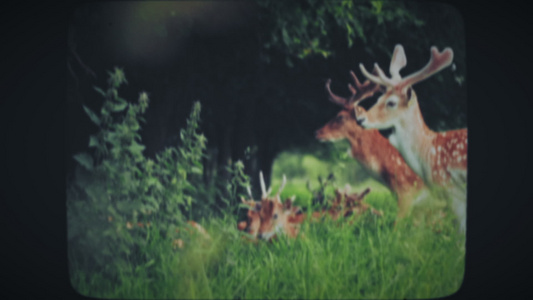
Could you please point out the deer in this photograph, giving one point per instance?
(253, 221)
(277, 217)
(439, 158)
(354, 204)
(270, 217)
(345, 205)
(370, 148)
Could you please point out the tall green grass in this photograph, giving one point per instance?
(369, 259)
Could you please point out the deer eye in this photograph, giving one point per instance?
(339, 118)
(275, 216)
(391, 104)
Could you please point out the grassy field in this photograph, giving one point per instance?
(371, 259)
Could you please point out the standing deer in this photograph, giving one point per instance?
(438, 157)
(370, 148)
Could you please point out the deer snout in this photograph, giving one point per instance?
(360, 121)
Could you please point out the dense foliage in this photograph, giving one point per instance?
(118, 195)
(305, 28)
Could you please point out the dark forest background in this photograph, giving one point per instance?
(257, 67)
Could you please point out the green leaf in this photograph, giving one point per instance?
(93, 141)
(100, 91)
(196, 170)
(189, 188)
(377, 5)
(92, 115)
(119, 106)
(85, 160)
(136, 148)
(150, 263)
(127, 207)
(285, 36)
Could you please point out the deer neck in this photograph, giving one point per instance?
(353, 135)
(413, 139)
(365, 145)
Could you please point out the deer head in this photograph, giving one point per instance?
(338, 127)
(253, 221)
(399, 102)
(278, 218)
(273, 214)
(356, 206)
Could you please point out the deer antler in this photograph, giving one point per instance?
(249, 192)
(283, 182)
(263, 189)
(380, 79)
(397, 63)
(359, 92)
(337, 99)
(437, 62)
(365, 90)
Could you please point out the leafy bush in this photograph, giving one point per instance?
(120, 200)
(307, 28)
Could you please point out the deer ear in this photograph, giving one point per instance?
(364, 193)
(409, 93)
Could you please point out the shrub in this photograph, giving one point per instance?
(119, 200)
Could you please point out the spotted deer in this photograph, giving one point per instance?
(440, 158)
(369, 147)
(252, 222)
(345, 205)
(276, 217)
(269, 217)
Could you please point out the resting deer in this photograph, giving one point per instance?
(438, 157)
(345, 205)
(286, 218)
(369, 147)
(269, 217)
(276, 217)
(354, 205)
(251, 225)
